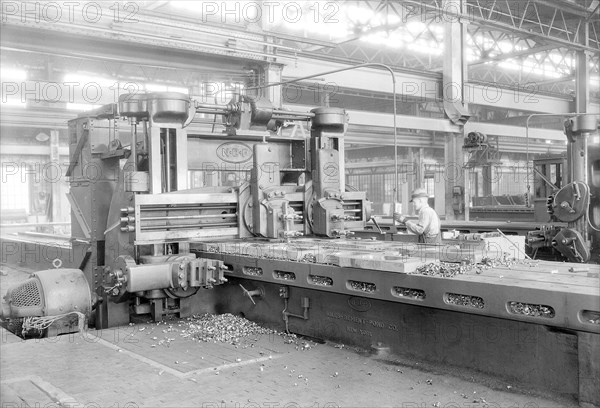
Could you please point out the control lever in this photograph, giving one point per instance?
(376, 224)
(567, 207)
(251, 293)
(577, 194)
(571, 244)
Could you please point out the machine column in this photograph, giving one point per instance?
(455, 107)
(454, 175)
(327, 135)
(55, 194)
(577, 157)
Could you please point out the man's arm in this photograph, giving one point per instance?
(399, 217)
(421, 225)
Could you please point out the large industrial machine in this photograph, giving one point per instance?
(269, 234)
(139, 219)
(574, 195)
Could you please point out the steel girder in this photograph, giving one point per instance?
(540, 35)
(428, 87)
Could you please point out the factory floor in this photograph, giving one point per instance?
(156, 365)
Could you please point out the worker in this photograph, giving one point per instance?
(427, 227)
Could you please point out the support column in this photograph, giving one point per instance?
(455, 63)
(582, 75)
(455, 106)
(487, 176)
(271, 72)
(582, 99)
(420, 168)
(454, 174)
(55, 185)
(578, 150)
(263, 75)
(273, 93)
(412, 182)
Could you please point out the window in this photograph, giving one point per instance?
(14, 187)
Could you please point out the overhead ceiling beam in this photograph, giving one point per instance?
(24, 39)
(504, 27)
(156, 32)
(567, 6)
(555, 80)
(406, 16)
(594, 7)
(365, 128)
(502, 57)
(156, 4)
(428, 86)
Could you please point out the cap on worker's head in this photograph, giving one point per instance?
(418, 192)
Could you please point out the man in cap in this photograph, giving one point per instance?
(428, 225)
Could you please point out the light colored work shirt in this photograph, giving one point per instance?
(427, 226)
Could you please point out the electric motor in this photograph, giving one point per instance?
(48, 297)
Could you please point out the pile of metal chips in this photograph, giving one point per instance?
(465, 300)
(285, 275)
(594, 319)
(505, 260)
(444, 269)
(409, 292)
(252, 271)
(213, 248)
(362, 286)
(320, 280)
(529, 309)
(309, 258)
(224, 328)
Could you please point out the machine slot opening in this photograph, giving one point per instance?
(282, 275)
(589, 317)
(464, 300)
(252, 271)
(320, 280)
(408, 293)
(361, 286)
(530, 309)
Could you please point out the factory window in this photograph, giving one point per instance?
(14, 190)
(510, 182)
(429, 185)
(475, 183)
(499, 186)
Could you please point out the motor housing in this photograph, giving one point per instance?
(50, 293)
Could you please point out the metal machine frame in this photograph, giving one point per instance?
(276, 237)
(150, 216)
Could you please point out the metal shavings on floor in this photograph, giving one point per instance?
(225, 328)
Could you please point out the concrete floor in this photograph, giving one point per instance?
(153, 365)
